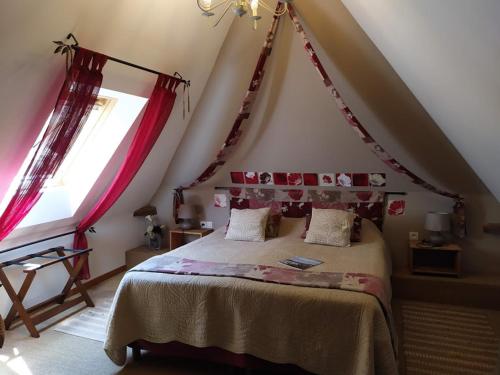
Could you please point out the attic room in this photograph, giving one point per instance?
(236, 186)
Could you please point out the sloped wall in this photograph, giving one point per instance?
(296, 127)
(162, 35)
(447, 53)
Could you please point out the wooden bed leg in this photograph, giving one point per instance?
(136, 353)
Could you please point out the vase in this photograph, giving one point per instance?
(154, 242)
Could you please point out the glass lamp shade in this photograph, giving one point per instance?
(437, 221)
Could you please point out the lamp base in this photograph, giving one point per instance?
(436, 239)
(186, 224)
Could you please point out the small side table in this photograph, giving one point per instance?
(440, 260)
(178, 235)
(139, 254)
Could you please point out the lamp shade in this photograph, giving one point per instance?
(186, 211)
(146, 210)
(437, 221)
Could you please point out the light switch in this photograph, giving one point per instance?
(207, 224)
(414, 236)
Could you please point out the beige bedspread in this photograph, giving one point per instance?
(325, 331)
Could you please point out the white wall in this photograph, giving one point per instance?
(447, 52)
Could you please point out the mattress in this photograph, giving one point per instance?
(324, 331)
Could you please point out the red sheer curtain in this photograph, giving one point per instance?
(157, 112)
(75, 101)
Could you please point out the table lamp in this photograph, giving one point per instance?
(437, 223)
(186, 213)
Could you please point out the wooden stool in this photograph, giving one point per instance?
(33, 315)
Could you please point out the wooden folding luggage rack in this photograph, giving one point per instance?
(52, 306)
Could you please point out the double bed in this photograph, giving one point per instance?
(320, 330)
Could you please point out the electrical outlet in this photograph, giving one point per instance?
(414, 236)
(207, 224)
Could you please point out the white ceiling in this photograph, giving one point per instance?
(447, 53)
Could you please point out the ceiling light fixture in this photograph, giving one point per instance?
(240, 8)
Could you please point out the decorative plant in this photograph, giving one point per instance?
(153, 230)
(67, 50)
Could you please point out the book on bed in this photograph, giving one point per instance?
(301, 263)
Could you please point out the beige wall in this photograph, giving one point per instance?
(296, 127)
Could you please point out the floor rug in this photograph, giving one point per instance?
(91, 322)
(442, 339)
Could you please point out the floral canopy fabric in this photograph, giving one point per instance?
(352, 120)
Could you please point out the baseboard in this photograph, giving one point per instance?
(99, 279)
(472, 291)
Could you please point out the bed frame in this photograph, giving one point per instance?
(218, 355)
(213, 354)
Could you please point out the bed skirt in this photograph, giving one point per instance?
(213, 354)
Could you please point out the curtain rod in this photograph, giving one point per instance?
(176, 75)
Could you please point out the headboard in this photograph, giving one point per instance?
(298, 202)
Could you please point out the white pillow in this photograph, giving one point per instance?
(330, 227)
(248, 224)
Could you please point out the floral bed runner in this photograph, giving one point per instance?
(356, 282)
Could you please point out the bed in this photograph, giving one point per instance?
(322, 331)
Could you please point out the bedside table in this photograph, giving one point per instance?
(440, 260)
(178, 235)
(139, 254)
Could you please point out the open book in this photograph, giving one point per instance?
(301, 263)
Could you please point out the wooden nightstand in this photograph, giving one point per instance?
(441, 260)
(138, 255)
(178, 235)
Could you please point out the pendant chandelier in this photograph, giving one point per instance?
(240, 8)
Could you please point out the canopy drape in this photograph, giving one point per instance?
(238, 126)
(74, 103)
(157, 112)
(361, 131)
(356, 125)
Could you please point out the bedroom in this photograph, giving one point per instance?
(415, 78)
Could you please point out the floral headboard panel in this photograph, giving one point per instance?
(298, 203)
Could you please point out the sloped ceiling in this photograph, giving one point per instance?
(447, 53)
(170, 36)
(370, 86)
(160, 34)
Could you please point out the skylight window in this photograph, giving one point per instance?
(108, 123)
